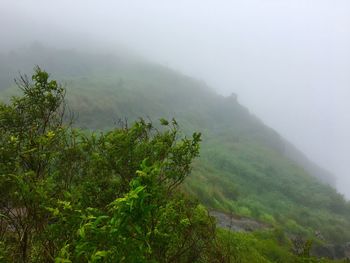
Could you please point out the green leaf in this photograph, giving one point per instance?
(164, 122)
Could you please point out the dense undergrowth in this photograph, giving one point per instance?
(68, 196)
(243, 167)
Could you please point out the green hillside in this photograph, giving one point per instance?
(245, 167)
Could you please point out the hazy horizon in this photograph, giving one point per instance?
(288, 61)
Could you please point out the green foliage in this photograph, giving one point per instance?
(265, 185)
(31, 135)
(68, 175)
(264, 246)
(244, 166)
(68, 196)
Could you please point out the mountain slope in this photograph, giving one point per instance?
(245, 166)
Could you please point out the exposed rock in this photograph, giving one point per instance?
(332, 251)
(236, 223)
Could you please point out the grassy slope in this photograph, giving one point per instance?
(243, 167)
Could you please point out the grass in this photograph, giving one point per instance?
(243, 166)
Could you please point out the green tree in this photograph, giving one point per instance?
(75, 196)
(30, 136)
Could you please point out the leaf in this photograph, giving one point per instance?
(81, 232)
(164, 122)
(101, 253)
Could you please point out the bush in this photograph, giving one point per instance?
(73, 196)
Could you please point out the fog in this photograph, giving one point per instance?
(288, 60)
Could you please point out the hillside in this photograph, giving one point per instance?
(245, 167)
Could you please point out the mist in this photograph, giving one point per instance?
(287, 60)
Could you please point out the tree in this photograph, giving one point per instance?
(75, 196)
(30, 136)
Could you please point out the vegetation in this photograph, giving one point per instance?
(72, 197)
(66, 193)
(68, 196)
(244, 167)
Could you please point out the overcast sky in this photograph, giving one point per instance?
(288, 60)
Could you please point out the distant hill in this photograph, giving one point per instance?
(245, 167)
